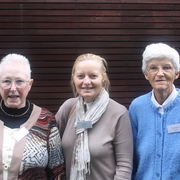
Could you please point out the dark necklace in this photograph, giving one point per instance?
(12, 115)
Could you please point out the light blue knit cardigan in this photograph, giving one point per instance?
(156, 152)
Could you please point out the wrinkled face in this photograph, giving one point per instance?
(161, 75)
(13, 96)
(88, 79)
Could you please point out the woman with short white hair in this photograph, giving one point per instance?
(155, 117)
(30, 146)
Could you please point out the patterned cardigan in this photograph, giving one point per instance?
(38, 155)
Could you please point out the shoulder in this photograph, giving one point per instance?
(41, 113)
(116, 114)
(178, 90)
(115, 109)
(46, 113)
(141, 106)
(68, 104)
(45, 119)
(65, 108)
(139, 101)
(115, 105)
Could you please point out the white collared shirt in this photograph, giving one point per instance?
(170, 99)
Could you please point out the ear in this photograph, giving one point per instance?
(146, 75)
(30, 83)
(103, 82)
(177, 75)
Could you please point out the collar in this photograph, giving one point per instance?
(170, 99)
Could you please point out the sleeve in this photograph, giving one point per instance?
(123, 145)
(56, 168)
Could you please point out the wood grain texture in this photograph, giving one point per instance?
(52, 33)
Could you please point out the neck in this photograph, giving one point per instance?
(14, 112)
(161, 96)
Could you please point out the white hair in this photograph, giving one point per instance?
(160, 50)
(11, 58)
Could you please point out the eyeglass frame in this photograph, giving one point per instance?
(15, 83)
(155, 69)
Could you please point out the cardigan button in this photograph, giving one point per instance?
(159, 134)
(157, 174)
(158, 155)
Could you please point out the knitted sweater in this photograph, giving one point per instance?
(157, 152)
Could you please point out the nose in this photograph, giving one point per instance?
(13, 86)
(87, 80)
(160, 72)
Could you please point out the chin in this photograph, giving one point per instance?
(160, 89)
(13, 105)
(88, 95)
(89, 99)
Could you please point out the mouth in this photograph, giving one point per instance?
(87, 88)
(160, 80)
(13, 96)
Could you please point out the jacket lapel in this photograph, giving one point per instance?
(19, 145)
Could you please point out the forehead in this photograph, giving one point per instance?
(89, 64)
(160, 61)
(14, 70)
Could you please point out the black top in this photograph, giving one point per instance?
(13, 118)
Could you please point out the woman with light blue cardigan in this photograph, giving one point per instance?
(155, 117)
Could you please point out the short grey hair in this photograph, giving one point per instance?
(160, 50)
(10, 58)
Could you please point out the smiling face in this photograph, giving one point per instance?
(88, 79)
(15, 97)
(161, 75)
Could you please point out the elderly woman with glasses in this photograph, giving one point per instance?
(30, 146)
(155, 117)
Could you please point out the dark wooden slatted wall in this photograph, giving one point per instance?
(52, 33)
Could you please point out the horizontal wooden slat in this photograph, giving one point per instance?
(85, 19)
(87, 12)
(102, 26)
(87, 38)
(123, 31)
(95, 5)
(65, 45)
(94, 1)
(74, 51)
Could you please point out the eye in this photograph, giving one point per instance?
(80, 76)
(6, 81)
(166, 68)
(19, 82)
(93, 76)
(154, 68)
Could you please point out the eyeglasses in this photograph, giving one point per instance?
(19, 83)
(155, 69)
